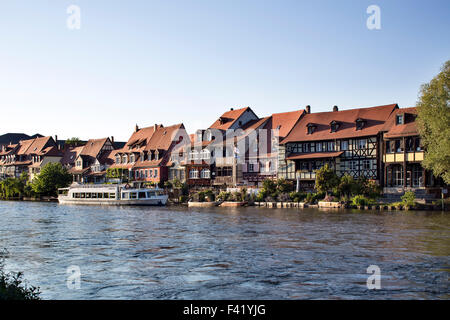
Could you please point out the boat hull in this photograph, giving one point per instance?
(157, 201)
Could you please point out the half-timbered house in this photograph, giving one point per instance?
(349, 141)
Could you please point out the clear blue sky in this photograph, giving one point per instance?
(168, 62)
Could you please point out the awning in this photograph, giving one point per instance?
(315, 155)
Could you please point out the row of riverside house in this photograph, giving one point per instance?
(240, 149)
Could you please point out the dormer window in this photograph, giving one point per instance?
(311, 128)
(400, 119)
(132, 158)
(360, 123)
(334, 125)
(157, 155)
(117, 159)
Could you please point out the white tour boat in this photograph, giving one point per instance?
(118, 195)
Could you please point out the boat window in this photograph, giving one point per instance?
(112, 195)
(125, 195)
(150, 194)
(88, 195)
(142, 195)
(75, 195)
(93, 195)
(106, 195)
(133, 195)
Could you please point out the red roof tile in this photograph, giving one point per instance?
(409, 128)
(374, 117)
(229, 118)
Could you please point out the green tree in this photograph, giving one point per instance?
(326, 179)
(51, 177)
(74, 141)
(433, 110)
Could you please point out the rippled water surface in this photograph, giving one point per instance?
(223, 253)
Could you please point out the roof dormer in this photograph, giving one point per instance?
(311, 127)
(360, 123)
(334, 125)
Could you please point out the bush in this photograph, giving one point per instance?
(297, 196)
(312, 198)
(224, 196)
(408, 199)
(12, 286)
(360, 200)
(210, 196)
(183, 199)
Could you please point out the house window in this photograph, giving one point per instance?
(353, 165)
(362, 143)
(155, 173)
(359, 124)
(334, 126)
(310, 129)
(124, 159)
(205, 174)
(417, 144)
(319, 147)
(398, 146)
(251, 167)
(193, 155)
(146, 173)
(398, 176)
(399, 119)
(193, 174)
(344, 145)
(367, 164)
(132, 158)
(150, 172)
(330, 146)
(205, 154)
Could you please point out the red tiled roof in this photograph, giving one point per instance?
(162, 137)
(374, 117)
(93, 147)
(285, 121)
(409, 128)
(316, 155)
(70, 155)
(145, 164)
(38, 145)
(229, 118)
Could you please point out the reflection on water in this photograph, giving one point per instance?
(223, 253)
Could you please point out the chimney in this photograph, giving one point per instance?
(136, 128)
(156, 126)
(231, 109)
(112, 139)
(56, 138)
(308, 109)
(335, 108)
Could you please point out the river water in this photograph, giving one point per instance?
(226, 253)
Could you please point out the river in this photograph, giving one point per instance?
(226, 253)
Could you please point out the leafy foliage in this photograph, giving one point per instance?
(12, 286)
(408, 199)
(326, 179)
(433, 110)
(51, 177)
